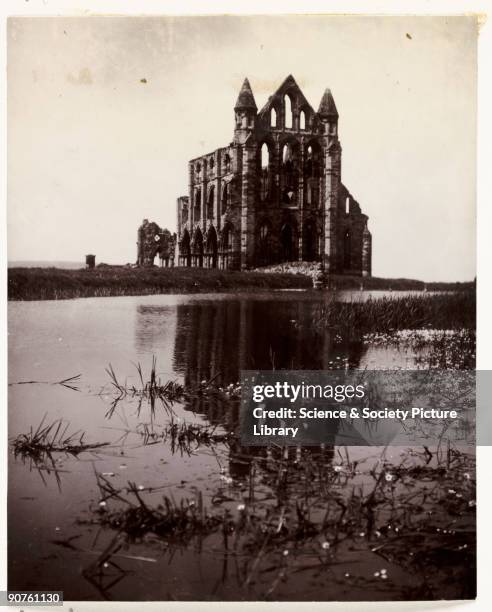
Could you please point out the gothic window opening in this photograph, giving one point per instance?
(265, 163)
(210, 203)
(286, 154)
(347, 205)
(287, 196)
(287, 243)
(227, 162)
(184, 250)
(312, 159)
(273, 118)
(211, 163)
(347, 250)
(212, 249)
(302, 120)
(264, 245)
(265, 156)
(225, 246)
(225, 198)
(310, 241)
(198, 205)
(197, 249)
(288, 112)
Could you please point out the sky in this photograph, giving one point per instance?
(105, 112)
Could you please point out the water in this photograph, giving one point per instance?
(53, 538)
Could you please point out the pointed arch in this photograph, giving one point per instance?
(184, 249)
(211, 202)
(302, 120)
(273, 117)
(287, 242)
(310, 239)
(211, 250)
(265, 161)
(197, 205)
(197, 248)
(288, 117)
(347, 250)
(224, 200)
(225, 251)
(265, 156)
(264, 254)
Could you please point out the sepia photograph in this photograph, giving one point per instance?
(191, 199)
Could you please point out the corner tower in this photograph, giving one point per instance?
(245, 111)
(328, 116)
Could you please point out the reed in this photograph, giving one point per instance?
(52, 438)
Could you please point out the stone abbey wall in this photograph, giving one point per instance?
(275, 193)
(154, 241)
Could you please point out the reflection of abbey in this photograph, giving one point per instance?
(275, 193)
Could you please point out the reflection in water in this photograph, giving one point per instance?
(217, 339)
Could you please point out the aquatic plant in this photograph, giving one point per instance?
(386, 315)
(53, 438)
(303, 510)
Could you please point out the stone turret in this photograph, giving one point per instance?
(245, 111)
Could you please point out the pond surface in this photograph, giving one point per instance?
(55, 539)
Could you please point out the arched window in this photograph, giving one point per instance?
(225, 198)
(264, 178)
(302, 120)
(210, 203)
(286, 154)
(273, 118)
(288, 111)
(198, 205)
(347, 205)
(347, 250)
(264, 253)
(227, 162)
(265, 156)
(211, 163)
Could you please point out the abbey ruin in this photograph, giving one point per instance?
(275, 193)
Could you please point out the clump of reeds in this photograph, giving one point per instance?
(170, 391)
(390, 314)
(52, 438)
(183, 437)
(169, 519)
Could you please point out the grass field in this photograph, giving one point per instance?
(104, 281)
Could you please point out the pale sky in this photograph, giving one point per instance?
(92, 150)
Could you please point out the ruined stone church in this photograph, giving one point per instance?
(275, 193)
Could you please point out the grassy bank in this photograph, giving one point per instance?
(388, 314)
(104, 281)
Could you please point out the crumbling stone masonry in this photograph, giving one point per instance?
(152, 241)
(275, 193)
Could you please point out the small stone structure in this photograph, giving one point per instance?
(90, 262)
(275, 194)
(152, 241)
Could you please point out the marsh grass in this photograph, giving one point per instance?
(389, 314)
(105, 281)
(183, 437)
(52, 438)
(302, 511)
